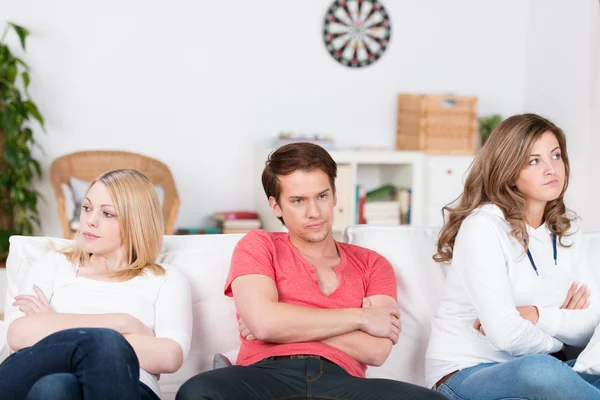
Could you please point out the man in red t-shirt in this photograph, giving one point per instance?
(313, 312)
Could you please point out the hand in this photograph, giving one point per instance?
(530, 313)
(577, 298)
(29, 304)
(381, 322)
(477, 326)
(244, 331)
(135, 326)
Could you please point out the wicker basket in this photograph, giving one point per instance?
(437, 124)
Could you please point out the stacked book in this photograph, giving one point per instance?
(382, 213)
(237, 221)
(385, 205)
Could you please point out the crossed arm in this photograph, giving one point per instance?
(155, 355)
(366, 334)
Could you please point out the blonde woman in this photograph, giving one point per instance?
(519, 286)
(100, 319)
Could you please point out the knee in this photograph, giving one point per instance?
(199, 387)
(543, 372)
(106, 344)
(55, 386)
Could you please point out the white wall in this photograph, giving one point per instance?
(561, 83)
(197, 84)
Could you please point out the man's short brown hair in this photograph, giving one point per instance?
(294, 157)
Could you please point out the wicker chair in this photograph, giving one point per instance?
(88, 165)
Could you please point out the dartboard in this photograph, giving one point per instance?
(356, 32)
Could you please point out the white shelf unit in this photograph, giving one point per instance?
(370, 169)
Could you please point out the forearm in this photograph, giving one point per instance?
(27, 331)
(289, 323)
(572, 327)
(362, 347)
(156, 355)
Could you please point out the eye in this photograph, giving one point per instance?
(534, 161)
(556, 156)
(297, 201)
(85, 208)
(322, 196)
(107, 214)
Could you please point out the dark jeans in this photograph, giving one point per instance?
(295, 379)
(82, 363)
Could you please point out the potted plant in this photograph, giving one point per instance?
(487, 124)
(18, 200)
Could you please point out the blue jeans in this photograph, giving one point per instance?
(537, 376)
(81, 363)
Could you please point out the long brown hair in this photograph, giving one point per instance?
(492, 178)
(140, 220)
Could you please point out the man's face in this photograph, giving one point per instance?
(306, 204)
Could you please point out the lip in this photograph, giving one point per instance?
(551, 182)
(316, 226)
(90, 236)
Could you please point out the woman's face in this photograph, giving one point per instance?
(100, 229)
(543, 178)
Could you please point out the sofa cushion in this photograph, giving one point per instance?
(420, 280)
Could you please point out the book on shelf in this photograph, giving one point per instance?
(237, 221)
(361, 198)
(234, 215)
(404, 197)
(386, 205)
(247, 224)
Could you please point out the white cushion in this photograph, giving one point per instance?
(589, 359)
(420, 281)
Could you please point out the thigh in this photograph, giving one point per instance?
(533, 376)
(56, 387)
(266, 380)
(22, 369)
(335, 383)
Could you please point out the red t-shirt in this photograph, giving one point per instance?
(361, 272)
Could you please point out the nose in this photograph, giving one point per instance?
(550, 169)
(92, 220)
(314, 211)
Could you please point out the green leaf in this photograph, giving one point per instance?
(33, 110)
(19, 61)
(11, 72)
(26, 80)
(11, 156)
(38, 168)
(22, 32)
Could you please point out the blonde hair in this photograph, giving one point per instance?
(140, 219)
(492, 178)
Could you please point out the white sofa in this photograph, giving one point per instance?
(205, 261)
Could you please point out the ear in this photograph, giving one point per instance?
(275, 207)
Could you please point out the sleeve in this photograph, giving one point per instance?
(41, 272)
(382, 279)
(254, 254)
(173, 310)
(575, 327)
(481, 264)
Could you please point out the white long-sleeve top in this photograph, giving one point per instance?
(162, 303)
(490, 275)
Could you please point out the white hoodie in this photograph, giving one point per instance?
(489, 277)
